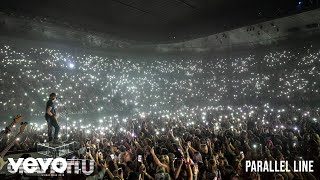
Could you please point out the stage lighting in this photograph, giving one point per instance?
(71, 65)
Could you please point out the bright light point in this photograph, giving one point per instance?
(71, 65)
(142, 115)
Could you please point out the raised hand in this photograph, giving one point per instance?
(183, 160)
(151, 150)
(195, 169)
(105, 165)
(189, 144)
(142, 168)
(187, 148)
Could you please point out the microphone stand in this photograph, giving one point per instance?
(67, 118)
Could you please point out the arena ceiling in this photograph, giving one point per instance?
(154, 20)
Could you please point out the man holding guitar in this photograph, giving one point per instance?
(52, 117)
(6, 149)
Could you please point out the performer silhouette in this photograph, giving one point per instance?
(51, 117)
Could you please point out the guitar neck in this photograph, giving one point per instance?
(5, 132)
(4, 152)
(11, 125)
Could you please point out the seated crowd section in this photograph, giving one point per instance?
(187, 118)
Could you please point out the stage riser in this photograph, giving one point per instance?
(55, 151)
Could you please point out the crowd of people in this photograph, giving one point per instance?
(209, 145)
(90, 83)
(173, 118)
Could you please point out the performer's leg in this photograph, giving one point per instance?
(56, 128)
(49, 129)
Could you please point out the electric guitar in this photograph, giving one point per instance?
(56, 117)
(4, 152)
(63, 114)
(15, 121)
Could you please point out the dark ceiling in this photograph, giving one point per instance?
(151, 20)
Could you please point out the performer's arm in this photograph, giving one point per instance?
(49, 111)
